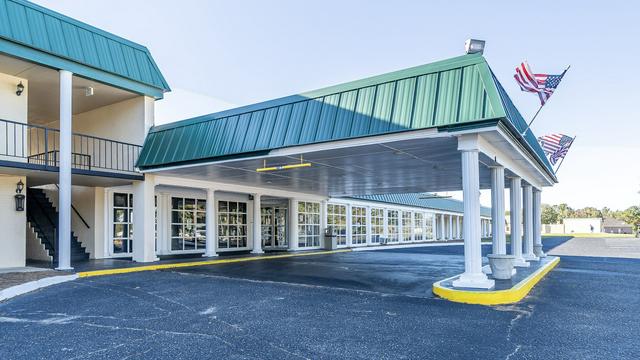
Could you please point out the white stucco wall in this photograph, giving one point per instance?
(13, 107)
(572, 225)
(127, 121)
(13, 224)
(13, 142)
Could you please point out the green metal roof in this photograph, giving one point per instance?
(40, 35)
(461, 90)
(419, 200)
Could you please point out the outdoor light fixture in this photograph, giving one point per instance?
(19, 196)
(19, 89)
(473, 46)
(88, 91)
(283, 167)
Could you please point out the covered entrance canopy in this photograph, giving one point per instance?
(386, 134)
(444, 126)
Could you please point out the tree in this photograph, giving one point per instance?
(588, 212)
(549, 214)
(632, 216)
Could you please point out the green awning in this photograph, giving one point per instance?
(457, 91)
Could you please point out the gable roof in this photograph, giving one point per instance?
(418, 200)
(455, 91)
(43, 36)
(611, 222)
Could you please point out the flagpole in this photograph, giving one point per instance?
(540, 108)
(561, 161)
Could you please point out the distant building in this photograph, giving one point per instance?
(582, 225)
(615, 226)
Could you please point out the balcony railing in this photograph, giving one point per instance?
(39, 145)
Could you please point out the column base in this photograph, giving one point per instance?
(473, 281)
(147, 260)
(64, 268)
(205, 255)
(257, 252)
(530, 257)
(520, 263)
(537, 249)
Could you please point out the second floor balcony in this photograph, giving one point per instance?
(38, 147)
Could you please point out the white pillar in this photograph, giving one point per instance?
(400, 226)
(434, 229)
(473, 277)
(450, 231)
(64, 175)
(459, 227)
(442, 230)
(497, 210)
(527, 207)
(212, 225)
(257, 225)
(368, 220)
(144, 216)
(537, 223)
(385, 220)
(349, 222)
(515, 194)
(293, 224)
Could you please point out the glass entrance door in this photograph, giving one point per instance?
(274, 227)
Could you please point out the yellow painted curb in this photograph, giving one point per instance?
(200, 263)
(497, 297)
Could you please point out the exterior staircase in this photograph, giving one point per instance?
(43, 218)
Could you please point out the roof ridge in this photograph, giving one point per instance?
(424, 69)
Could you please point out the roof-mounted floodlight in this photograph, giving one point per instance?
(473, 46)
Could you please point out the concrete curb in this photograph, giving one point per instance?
(201, 263)
(30, 286)
(494, 297)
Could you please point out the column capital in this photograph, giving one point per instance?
(468, 143)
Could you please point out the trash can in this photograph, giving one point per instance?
(330, 239)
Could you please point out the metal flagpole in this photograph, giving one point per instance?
(540, 108)
(561, 161)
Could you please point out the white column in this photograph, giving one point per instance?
(64, 175)
(473, 277)
(400, 226)
(144, 216)
(497, 210)
(527, 205)
(450, 231)
(442, 229)
(412, 231)
(212, 225)
(293, 224)
(368, 220)
(434, 229)
(385, 220)
(537, 223)
(515, 194)
(349, 231)
(257, 225)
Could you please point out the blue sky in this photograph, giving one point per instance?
(240, 52)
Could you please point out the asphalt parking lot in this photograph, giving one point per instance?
(360, 305)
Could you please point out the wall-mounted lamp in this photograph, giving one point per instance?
(88, 91)
(19, 89)
(19, 196)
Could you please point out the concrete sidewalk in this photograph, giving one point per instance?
(18, 281)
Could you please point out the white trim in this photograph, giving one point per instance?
(24, 288)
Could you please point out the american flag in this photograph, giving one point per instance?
(555, 146)
(542, 84)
